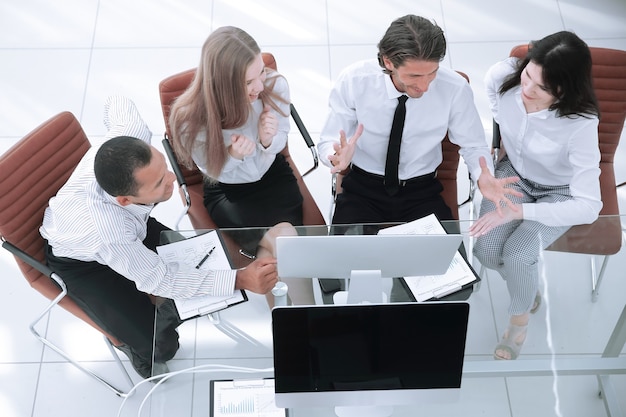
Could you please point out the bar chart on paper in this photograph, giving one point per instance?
(234, 406)
(244, 398)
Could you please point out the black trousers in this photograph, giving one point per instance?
(365, 200)
(118, 307)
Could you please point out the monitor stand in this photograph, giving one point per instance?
(365, 411)
(365, 286)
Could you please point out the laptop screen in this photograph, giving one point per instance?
(369, 346)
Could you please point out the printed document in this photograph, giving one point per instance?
(244, 398)
(434, 286)
(203, 252)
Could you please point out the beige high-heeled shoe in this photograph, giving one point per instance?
(512, 342)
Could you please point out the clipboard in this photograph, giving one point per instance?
(204, 251)
(445, 293)
(460, 274)
(250, 397)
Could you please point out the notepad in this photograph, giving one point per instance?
(458, 275)
(204, 252)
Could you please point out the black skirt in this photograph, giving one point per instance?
(273, 199)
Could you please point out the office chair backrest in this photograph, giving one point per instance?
(34, 169)
(169, 89)
(172, 87)
(447, 175)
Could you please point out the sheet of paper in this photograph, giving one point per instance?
(252, 397)
(194, 251)
(434, 286)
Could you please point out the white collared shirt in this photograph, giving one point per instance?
(364, 94)
(548, 150)
(85, 223)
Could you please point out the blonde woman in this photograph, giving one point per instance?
(232, 122)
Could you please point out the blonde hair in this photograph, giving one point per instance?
(217, 98)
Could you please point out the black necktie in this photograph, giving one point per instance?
(393, 150)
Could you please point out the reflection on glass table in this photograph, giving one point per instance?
(571, 337)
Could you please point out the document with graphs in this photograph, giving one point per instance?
(243, 397)
(204, 251)
(458, 275)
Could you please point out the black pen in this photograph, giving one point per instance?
(205, 258)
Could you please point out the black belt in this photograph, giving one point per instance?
(381, 178)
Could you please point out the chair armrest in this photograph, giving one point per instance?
(18, 253)
(182, 182)
(167, 146)
(495, 141)
(307, 138)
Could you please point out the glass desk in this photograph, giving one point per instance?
(239, 244)
(574, 348)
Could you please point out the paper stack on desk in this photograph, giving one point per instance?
(204, 252)
(425, 288)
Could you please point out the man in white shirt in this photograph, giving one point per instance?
(362, 104)
(101, 240)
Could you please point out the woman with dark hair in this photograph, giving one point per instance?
(548, 116)
(233, 122)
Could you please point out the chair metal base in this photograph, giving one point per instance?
(65, 355)
(596, 278)
(234, 332)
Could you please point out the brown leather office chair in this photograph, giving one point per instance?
(604, 236)
(191, 180)
(34, 169)
(446, 173)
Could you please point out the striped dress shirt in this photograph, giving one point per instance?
(85, 223)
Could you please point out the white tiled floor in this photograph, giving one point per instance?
(71, 55)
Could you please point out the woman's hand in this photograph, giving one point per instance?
(495, 189)
(240, 146)
(268, 126)
(494, 218)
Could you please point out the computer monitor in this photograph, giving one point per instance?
(365, 259)
(363, 359)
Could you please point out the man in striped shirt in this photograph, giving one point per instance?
(101, 240)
